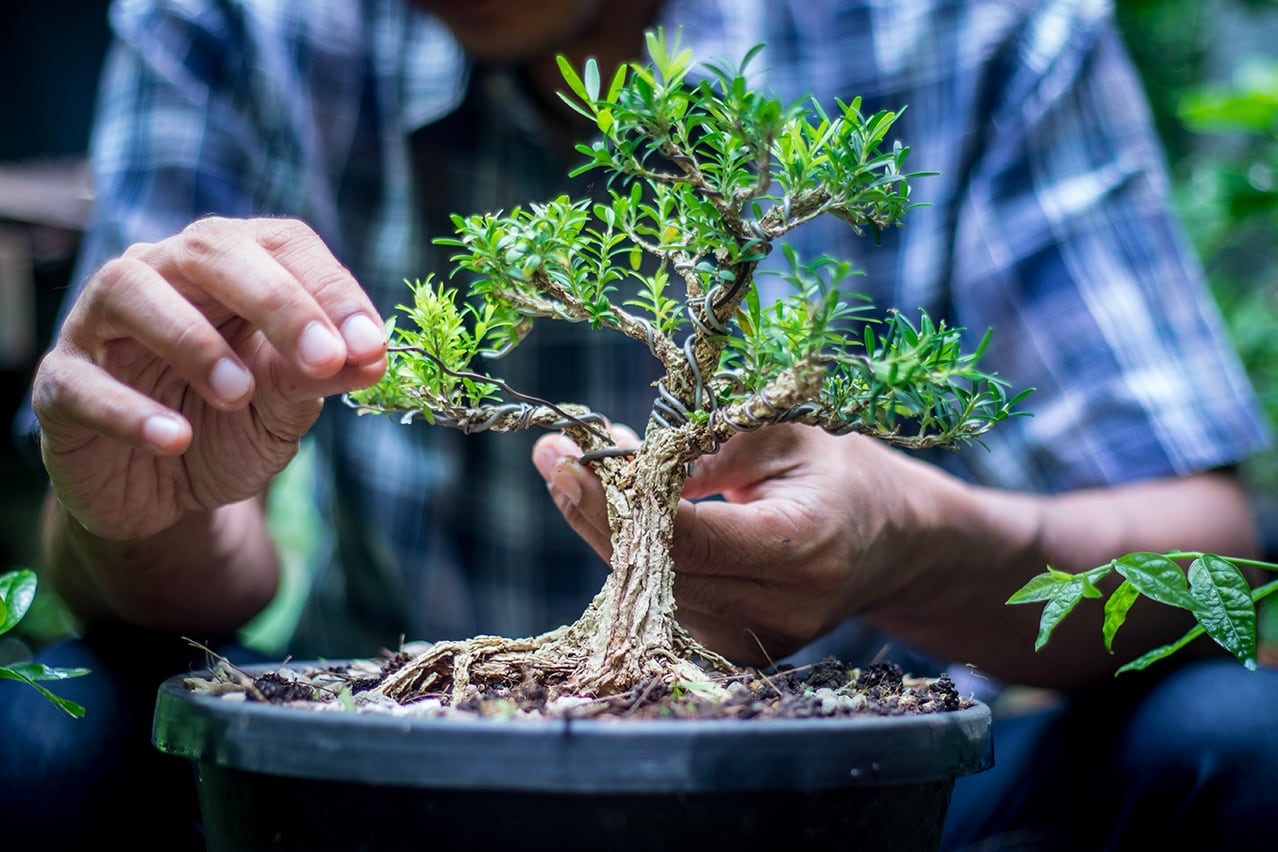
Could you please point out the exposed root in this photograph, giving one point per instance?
(558, 661)
(628, 635)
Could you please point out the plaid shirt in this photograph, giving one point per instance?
(1048, 222)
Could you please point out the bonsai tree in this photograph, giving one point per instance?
(705, 178)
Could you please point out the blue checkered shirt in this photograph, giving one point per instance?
(1047, 222)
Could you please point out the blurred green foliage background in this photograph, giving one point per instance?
(1210, 69)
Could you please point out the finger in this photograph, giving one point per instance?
(746, 646)
(750, 540)
(623, 435)
(751, 619)
(129, 299)
(549, 449)
(301, 251)
(576, 491)
(75, 399)
(240, 267)
(290, 385)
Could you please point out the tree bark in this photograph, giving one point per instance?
(629, 628)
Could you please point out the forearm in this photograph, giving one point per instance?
(209, 573)
(991, 542)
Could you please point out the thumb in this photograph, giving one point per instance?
(576, 491)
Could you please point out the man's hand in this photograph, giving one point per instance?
(188, 369)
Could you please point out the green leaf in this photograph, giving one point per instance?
(1157, 577)
(1062, 591)
(1116, 608)
(1061, 604)
(604, 120)
(1160, 653)
(1223, 606)
(751, 54)
(618, 81)
(592, 79)
(39, 671)
(67, 706)
(571, 78)
(1047, 585)
(17, 590)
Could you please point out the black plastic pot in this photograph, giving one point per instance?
(272, 777)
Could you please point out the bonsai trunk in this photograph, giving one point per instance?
(628, 635)
(629, 629)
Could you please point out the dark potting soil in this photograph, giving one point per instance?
(827, 689)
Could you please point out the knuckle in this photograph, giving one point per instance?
(52, 386)
(203, 239)
(329, 278)
(111, 283)
(138, 251)
(278, 235)
(302, 251)
(197, 342)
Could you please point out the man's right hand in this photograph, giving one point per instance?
(188, 369)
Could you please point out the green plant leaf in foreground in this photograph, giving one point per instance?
(1213, 589)
(17, 591)
(43, 672)
(1062, 591)
(1223, 606)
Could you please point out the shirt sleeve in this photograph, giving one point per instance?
(1067, 247)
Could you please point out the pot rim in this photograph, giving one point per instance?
(571, 755)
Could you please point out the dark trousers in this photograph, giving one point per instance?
(1168, 758)
(76, 783)
(1179, 759)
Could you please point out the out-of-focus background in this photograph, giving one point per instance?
(50, 52)
(1210, 69)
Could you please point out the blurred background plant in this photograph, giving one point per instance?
(1211, 70)
(1209, 67)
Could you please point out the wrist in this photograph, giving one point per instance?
(955, 543)
(211, 571)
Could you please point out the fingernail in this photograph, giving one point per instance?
(318, 346)
(161, 431)
(229, 380)
(565, 480)
(362, 334)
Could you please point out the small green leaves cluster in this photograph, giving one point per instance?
(919, 373)
(717, 144)
(17, 592)
(453, 333)
(729, 168)
(548, 258)
(1213, 589)
(811, 322)
(893, 371)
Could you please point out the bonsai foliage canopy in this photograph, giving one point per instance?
(705, 176)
